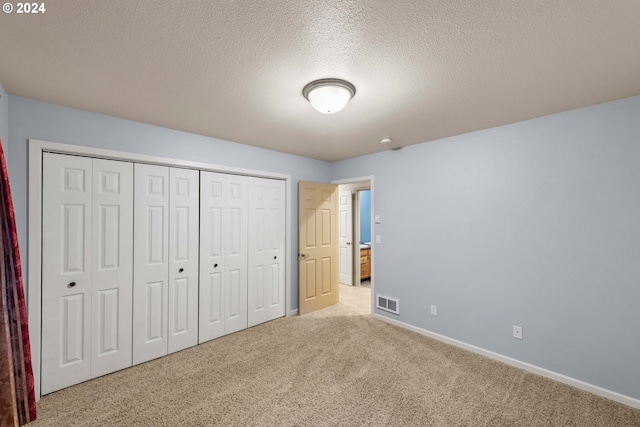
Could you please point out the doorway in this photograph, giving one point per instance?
(356, 263)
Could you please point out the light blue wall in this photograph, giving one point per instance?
(365, 215)
(534, 224)
(4, 119)
(38, 120)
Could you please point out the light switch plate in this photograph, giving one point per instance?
(378, 239)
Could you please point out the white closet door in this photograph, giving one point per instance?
(212, 243)
(112, 266)
(259, 265)
(183, 258)
(151, 266)
(276, 231)
(266, 293)
(223, 254)
(235, 263)
(66, 271)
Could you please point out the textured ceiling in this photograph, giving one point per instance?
(235, 69)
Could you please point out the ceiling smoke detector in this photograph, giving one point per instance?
(329, 96)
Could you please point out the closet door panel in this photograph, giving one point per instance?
(258, 274)
(183, 258)
(212, 243)
(235, 267)
(276, 233)
(151, 266)
(66, 271)
(112, 266)
(266, 292)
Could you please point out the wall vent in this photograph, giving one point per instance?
(391, 305)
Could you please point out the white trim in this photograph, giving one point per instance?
(80, 150)
(373, 245)
(293, 312)
(582, 385)
(34, 260)
(34, 227)
(288, 249)
(353, 180)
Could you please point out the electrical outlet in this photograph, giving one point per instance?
(517, 332)
(434, 310)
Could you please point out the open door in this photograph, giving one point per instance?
(345, 237)
(317, 246)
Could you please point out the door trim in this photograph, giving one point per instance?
(34, 223)
(373, 250)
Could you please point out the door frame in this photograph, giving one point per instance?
(354, 180)
(34, 223)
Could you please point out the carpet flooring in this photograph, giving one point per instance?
(334, 367)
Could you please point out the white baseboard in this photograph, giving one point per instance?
(293, 312)
(603, 392)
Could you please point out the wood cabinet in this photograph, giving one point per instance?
(365, 263)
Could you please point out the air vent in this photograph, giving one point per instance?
(391, 305)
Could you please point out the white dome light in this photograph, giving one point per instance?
(329, 96)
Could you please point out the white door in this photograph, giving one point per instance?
(345, 238)
(183, 258)
(112, 266)
(151, 272)
(223, 254)
(266, 293)
(66, 271)
(276, 234)
(235, 262)
(259, 265)
(212, 244)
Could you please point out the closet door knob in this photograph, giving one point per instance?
(181, 270)
(275, 257)
(215, 265)
(72, 284)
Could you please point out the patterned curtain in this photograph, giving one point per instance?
(17, 395)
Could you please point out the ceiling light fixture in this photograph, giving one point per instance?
(329, 96)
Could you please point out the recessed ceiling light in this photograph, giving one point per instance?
(329, 96)
(385, 140)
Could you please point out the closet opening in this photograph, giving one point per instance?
(126, 232)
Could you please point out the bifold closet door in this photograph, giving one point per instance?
(223, 254)
(165, 306)
(112, 266)
(151, 262)
(266, 293)
(66, 271)
(86, 268)
(184, 194)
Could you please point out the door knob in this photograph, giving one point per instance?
(181, 270)
(303, 256)
(275, 257)
(348, 243)
(215, 265)
(72, 284)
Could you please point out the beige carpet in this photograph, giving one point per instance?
(335, 367)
